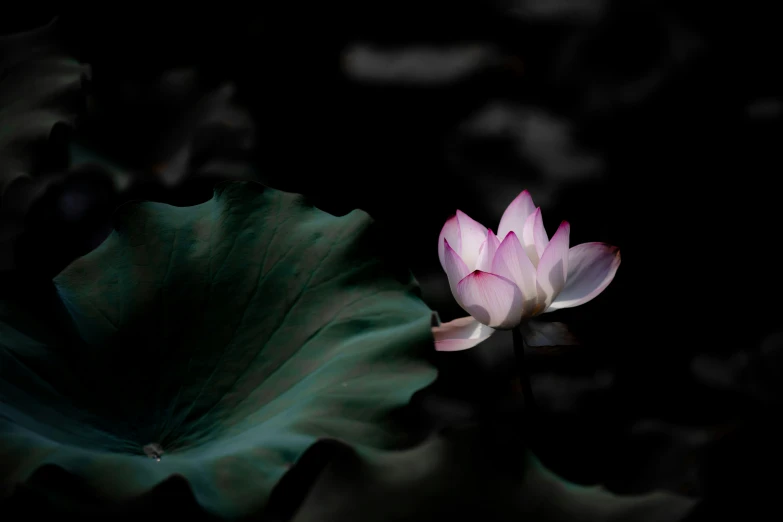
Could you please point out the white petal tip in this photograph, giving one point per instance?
(460, 334)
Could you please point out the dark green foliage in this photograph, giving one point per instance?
(233, 334)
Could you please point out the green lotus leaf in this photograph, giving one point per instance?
(214, 342)
(467, 474)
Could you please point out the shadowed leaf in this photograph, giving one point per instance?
(465, 475)
(217, 342)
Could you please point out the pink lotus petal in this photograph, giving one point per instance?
(487, 252)
(455, 268)
(512, 262)
(460, 334)
(516, 213)
(450, 231)
(534, 238)
(591, 267)
(472, 234)
(553, 267)
(493, 300)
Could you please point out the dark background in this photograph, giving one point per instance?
(654, 126)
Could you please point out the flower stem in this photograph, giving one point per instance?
(524, 376)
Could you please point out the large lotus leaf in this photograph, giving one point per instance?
(226, 338)
(468, 474)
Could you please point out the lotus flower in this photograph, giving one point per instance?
(505, 279)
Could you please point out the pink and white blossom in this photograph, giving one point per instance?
(505, 279)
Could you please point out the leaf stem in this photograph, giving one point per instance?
(524, 376)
